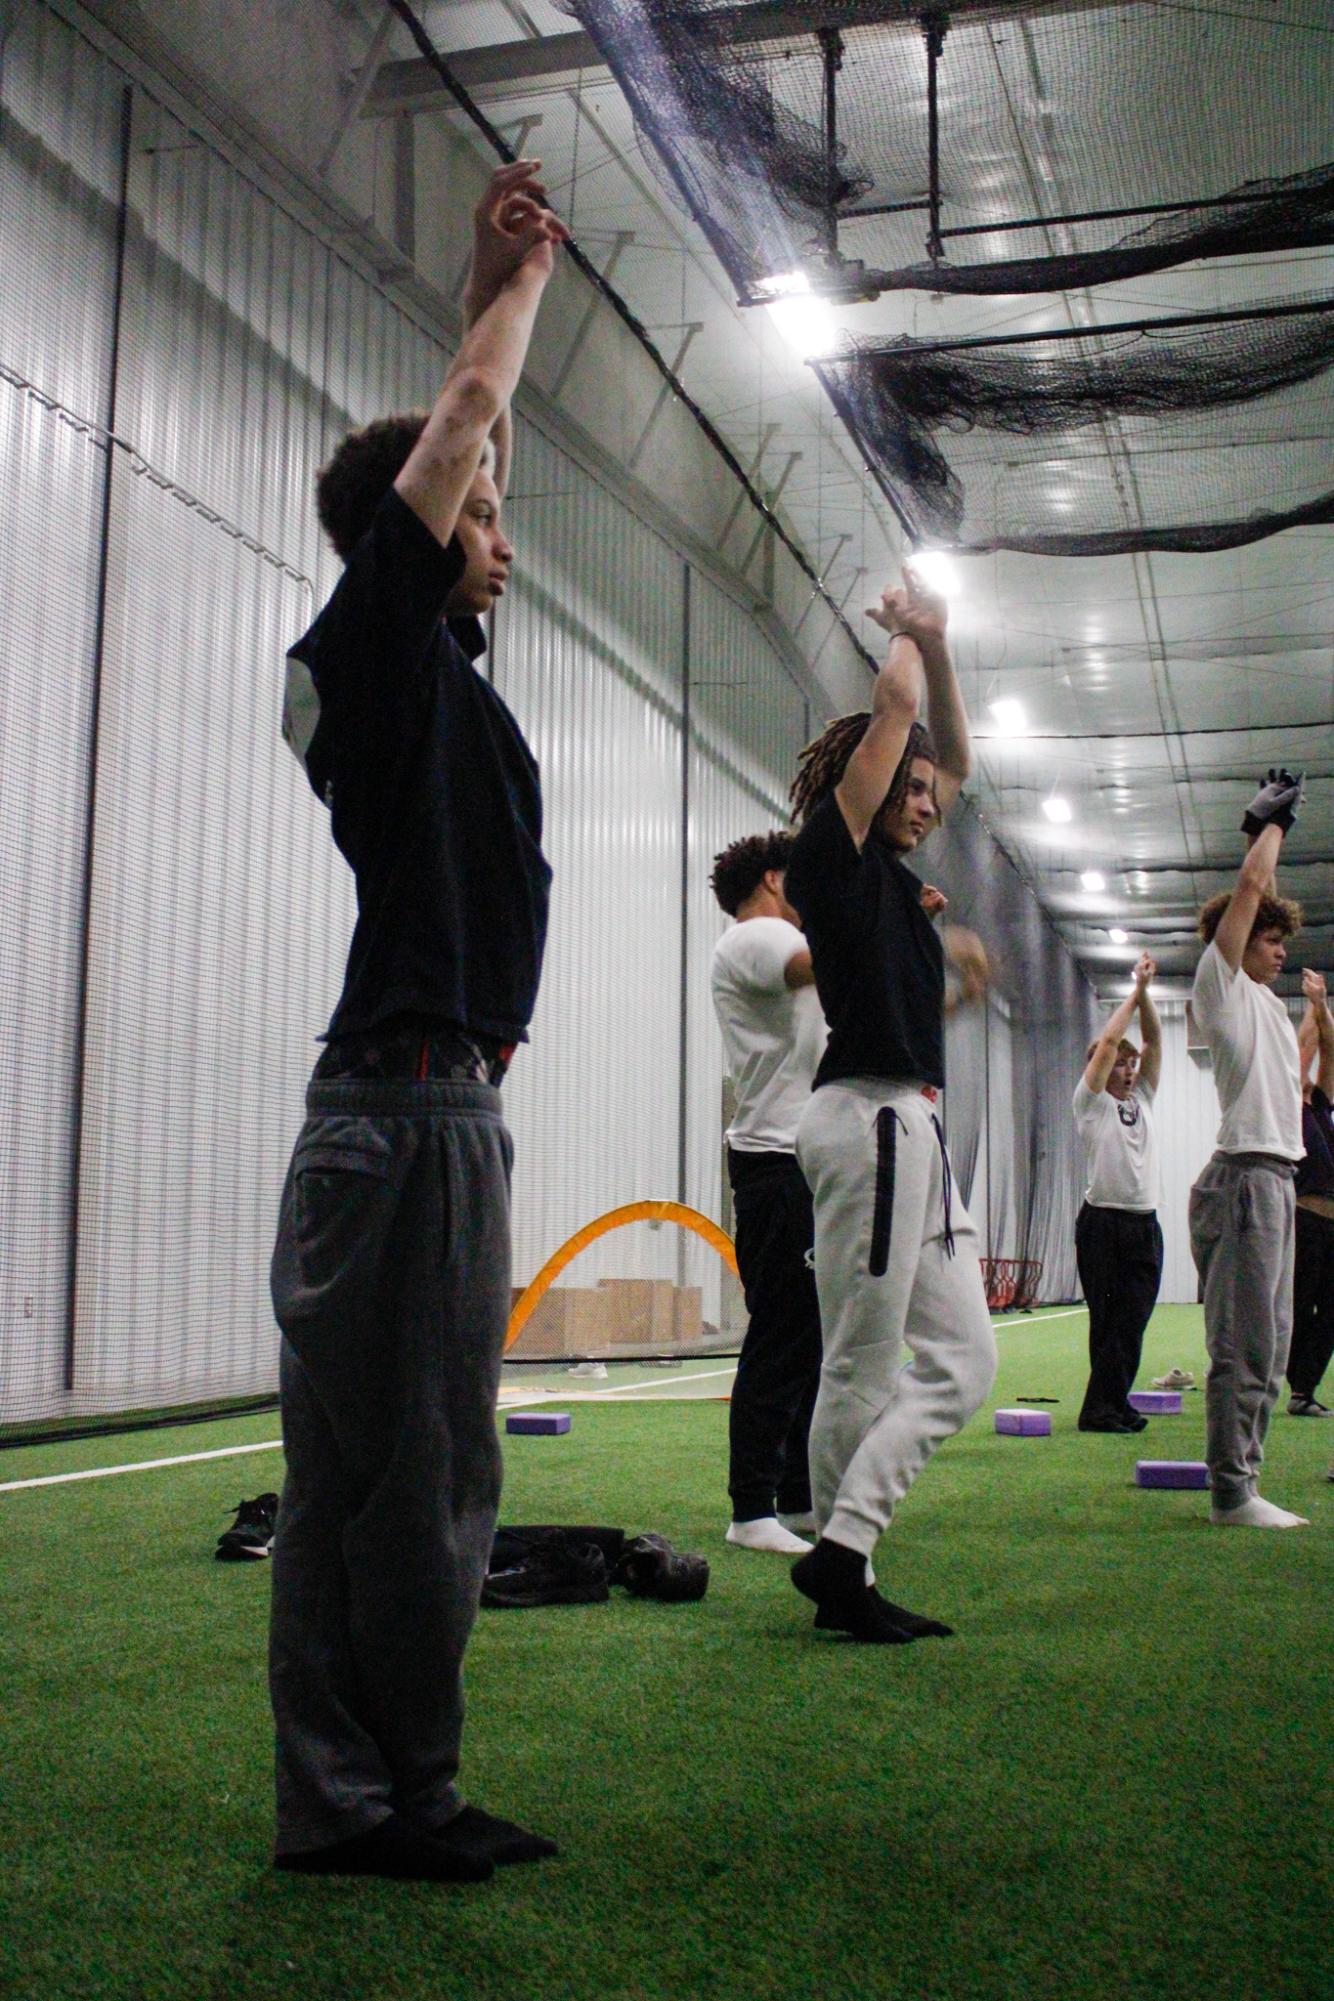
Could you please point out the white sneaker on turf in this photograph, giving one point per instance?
(768, 1534)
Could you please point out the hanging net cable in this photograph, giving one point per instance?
(796, 136)
(978, 444)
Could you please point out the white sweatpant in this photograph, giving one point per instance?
(887, 1279)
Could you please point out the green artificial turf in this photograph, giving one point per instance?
(1114, 1781)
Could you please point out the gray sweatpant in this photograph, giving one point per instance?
(1241, 1236)
(887, 1279)
(391, 1284)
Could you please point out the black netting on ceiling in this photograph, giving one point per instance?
(753, 170)
(1188, 435)
(1058, 128)
(1294, 213)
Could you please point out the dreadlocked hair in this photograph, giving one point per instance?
(822, 764)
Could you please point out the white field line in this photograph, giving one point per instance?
(142, 1465)
(517, 1395)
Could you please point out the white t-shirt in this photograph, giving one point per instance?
(1257, 1069)
(773, 1034)
(1120, 1147)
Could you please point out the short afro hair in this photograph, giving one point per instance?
(1276, 913)
(359, 475)
(739, 870)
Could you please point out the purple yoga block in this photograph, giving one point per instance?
(543, 1423)
(1153, 1403)
(1171, 1473)
(1024, 1423)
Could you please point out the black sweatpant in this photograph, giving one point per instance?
(391, 1284)
(779, 1371)
(1312, 1303)
(1120, 1258)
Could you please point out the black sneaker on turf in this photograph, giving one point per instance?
(649, 1567)
(251, 1534)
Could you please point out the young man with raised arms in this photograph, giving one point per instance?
(1118, 1242)
(1241, 1207)
(773, 1038)
(1313, 1245)
(391, 1274)
(896, 1256)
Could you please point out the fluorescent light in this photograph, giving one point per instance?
(938, 572)
(1118, 936)
(805, 322)
(1058, 809)
(1009, 718)
(1092, 881)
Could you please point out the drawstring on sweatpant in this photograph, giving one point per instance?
(947, 1189)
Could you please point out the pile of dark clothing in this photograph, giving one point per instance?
(548, 1565)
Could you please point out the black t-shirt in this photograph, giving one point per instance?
(1315, 1174)
(432, 791)
(879, 967)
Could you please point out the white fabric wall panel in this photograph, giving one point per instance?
(588, 653)
(219, 929)
(60, 123)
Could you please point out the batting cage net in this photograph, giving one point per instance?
(882, 139)
(1214, 428)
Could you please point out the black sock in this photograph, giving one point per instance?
(835, 1577)
(392, 1848)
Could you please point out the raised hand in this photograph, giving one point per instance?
(511, 223)
(1276, 804)
(1145, 971)
(933, 900)
(914, 608)
(968, 955)
(1313, 987)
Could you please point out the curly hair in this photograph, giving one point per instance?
(739, 870)
(354, 482)
(1276, 913)
(822, 764)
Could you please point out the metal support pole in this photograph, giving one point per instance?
(831, 45)
(793, 458)
(933, 27)
(767, 436)
(693, 327)
(624, 237)
(358, 90)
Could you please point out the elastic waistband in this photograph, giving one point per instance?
(402, 1098)
(1268, 1163)
(886, 1090)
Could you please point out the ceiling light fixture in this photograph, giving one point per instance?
(1118, 936)
(1008, 717)
(938, 572)
(1058, 809)
(1092, 881)
(804, 321)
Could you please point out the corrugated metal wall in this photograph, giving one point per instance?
(60, 170)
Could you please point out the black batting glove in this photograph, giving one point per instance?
(1275, 804)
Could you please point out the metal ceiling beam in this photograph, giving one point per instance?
(499, 67)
